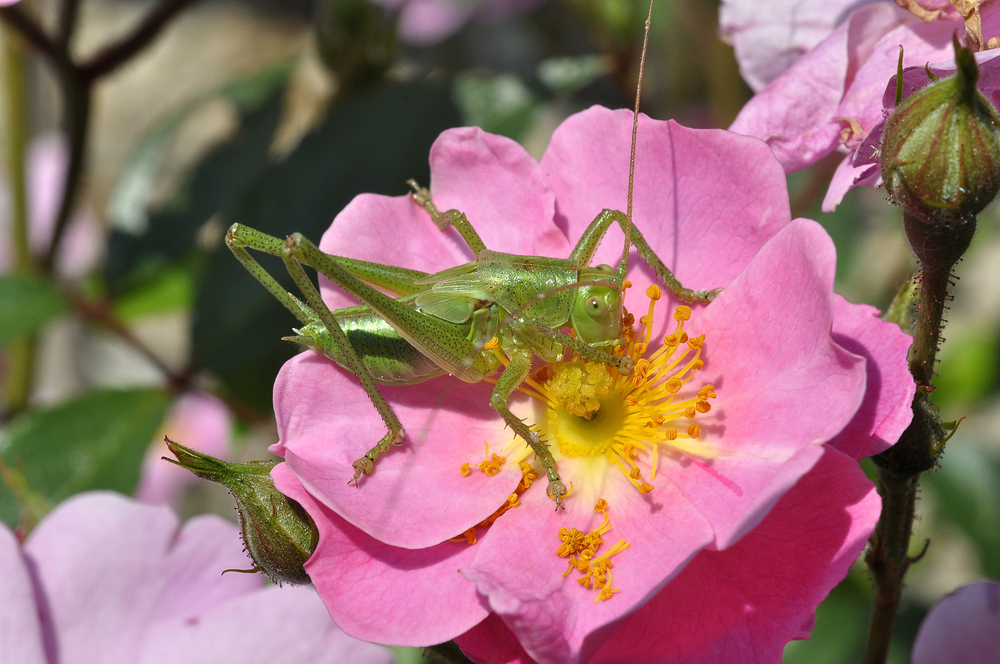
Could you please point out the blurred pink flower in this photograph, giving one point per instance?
(105, 579)
(822, 72)
(724, 538)
(426, 22)
(961, 628)
(46, 171)
(199, 421)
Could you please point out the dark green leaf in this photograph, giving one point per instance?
(372, 143)
(96, 441)
(26, 303)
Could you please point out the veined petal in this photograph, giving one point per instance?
(705, 219)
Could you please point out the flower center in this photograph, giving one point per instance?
(593, 412)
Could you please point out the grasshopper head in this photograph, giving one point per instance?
(597, 310)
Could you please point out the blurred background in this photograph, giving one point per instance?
(136, 132)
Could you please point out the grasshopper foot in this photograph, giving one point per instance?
(556, 490)
(703, 296)
(366, 464)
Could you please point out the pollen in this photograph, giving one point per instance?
(585, 555)
(528, 475)
(490, 465)
(630, 420)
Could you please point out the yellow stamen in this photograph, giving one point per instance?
(582, 552)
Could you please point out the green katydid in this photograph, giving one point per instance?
(450, 322)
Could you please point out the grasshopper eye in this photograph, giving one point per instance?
(596, 306)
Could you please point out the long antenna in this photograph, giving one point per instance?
(635, 133)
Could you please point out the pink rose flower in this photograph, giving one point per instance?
(824, 74)
(713, 516)
(962, 627)
(106, 579)
(199, 421)
(426, 22)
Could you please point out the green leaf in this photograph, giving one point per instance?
(96, 441)
(26, 303)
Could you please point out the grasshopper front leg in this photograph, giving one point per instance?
(591, 238)
(512, 376)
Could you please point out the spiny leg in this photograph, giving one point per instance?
(585, 248)
(422, 196)
(366, 464)
(512, 376)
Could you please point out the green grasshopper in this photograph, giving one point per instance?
(444, 323)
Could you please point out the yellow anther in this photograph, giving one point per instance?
(601, 505)
(690, 411)
(646, 487)
(671, 433)
(670, 340)
(626, 284)
(703, 406)
(492, 466)
(673, 385)
(684, 337)
(654, 293)
(694, 430)
(697, 342)
(682, 313)
(635, 473)
(707, 392)
(492, 344)
(640, 349)
(465, 469)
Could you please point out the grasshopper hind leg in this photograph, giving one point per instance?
(297, 250)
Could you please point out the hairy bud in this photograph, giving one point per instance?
(277, 532)
(940, 154)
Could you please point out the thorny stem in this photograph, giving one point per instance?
(21, 355)
(111, 57)
(938, 248)
(77, 83)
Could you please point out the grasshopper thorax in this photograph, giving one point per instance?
(597, 309)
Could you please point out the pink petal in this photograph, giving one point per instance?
(510, 207)
(382, 593)
(769, 37)
(268, 625)
(799, 113)
(138, 562)
(745, 603)
(771, 358)
(742, 604)
(518, 570)
(20, 631)
(886, 410)
(962, 627)
(326, 422)
(492, 642)
(426, 22)
(197, 420)
(687, 195)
